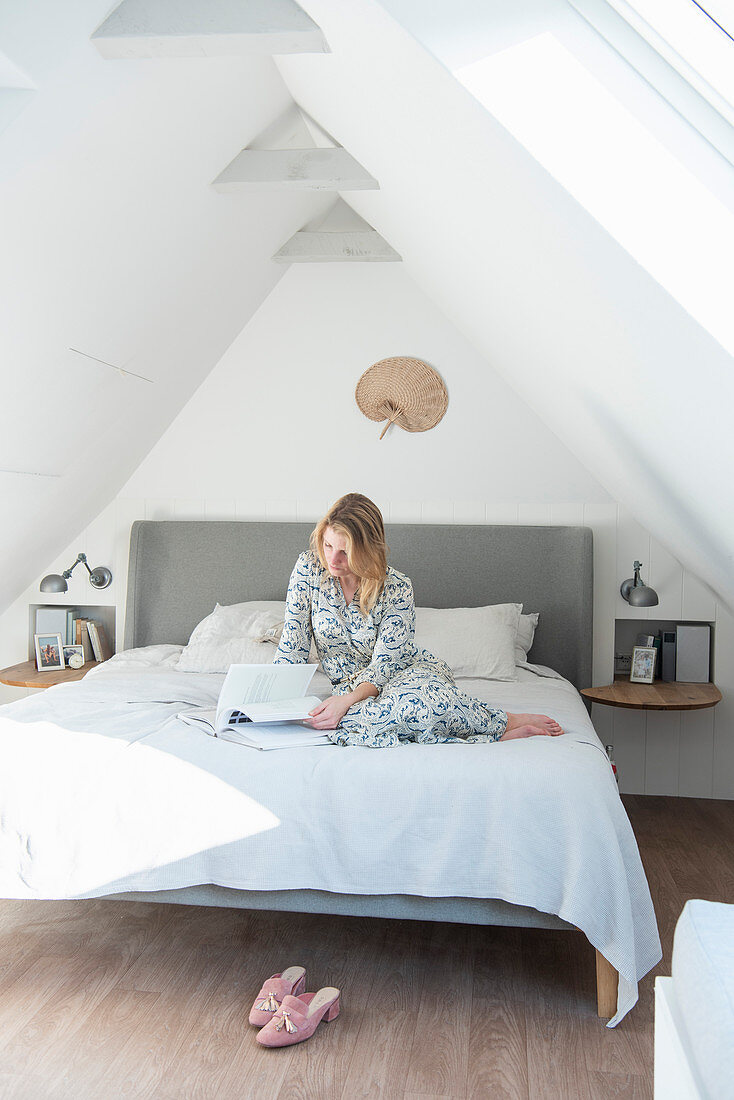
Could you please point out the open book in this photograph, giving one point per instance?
(262, 706)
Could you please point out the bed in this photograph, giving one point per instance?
(105, 793)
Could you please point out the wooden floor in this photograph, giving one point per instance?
(100, 1000)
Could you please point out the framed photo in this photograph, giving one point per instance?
(49, 652)
(73, 656)
(643, 664)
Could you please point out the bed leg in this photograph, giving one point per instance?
(607, 979)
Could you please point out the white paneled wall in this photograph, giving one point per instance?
(689, 754)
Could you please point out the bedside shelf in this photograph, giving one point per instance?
(26, 675)
(105, 614)
(656, 696)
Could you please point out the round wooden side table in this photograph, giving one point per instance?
(26, 675)
(659, 695)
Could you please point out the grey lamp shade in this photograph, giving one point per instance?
(636, 592)
(643, 596)
(54, 582)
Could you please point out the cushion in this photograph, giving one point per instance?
(242, 633)
(525, 634)
(703, 979)
(474, 641)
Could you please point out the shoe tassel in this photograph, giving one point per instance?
(285, 1020)
(270, 1004)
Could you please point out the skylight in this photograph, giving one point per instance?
(614, 166)
(692, 37)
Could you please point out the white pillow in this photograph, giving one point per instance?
(525, 634)
(474, 641)
(241, 633)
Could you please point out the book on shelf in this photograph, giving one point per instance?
(57, 620)
(83, 639)
(98, 638)
(262, 707)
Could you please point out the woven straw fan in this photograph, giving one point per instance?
(406, 392)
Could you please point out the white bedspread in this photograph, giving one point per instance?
(103, 790)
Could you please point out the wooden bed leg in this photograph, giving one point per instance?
(607, 979)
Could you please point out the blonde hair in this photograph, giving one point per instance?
(360, 521)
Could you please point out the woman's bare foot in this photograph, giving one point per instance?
(530, 725)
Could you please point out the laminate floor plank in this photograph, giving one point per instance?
(498, 1064)
(89, 1070)
(425, 1096)
(615, 1086)
(717, 817)
(220, 1057)
(555, 1053)
(15, 1087)
(261, 944)
(67, 1011)
(344, 959)
(622, 1049)
(378, 1067)
(25, 995)
(440, 1049)
(149, 1059)
(556, 1063)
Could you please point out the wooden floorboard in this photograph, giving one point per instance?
(102, 999)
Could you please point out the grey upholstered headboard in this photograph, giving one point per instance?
(180, 568)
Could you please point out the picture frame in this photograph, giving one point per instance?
(643, 664)
(71, 655)
(49, 652)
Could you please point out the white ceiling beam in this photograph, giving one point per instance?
(323, 246)
(214, 28)
(294, 170)
(340, 235)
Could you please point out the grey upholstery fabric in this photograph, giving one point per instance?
(396, 906)
(179, 569)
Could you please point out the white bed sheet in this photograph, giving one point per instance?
(103, 790)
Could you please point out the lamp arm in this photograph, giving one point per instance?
(80, 558)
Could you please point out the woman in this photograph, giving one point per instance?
(360, 613)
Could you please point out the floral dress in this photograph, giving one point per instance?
(418, 699)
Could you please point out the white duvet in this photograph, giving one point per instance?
(103, 790)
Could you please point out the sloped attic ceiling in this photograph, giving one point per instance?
(115, 244)
(613, 363)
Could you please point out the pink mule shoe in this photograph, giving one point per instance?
(298, 1017)
(290, 983)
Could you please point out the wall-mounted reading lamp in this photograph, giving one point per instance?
(56, 582)
(636, 592)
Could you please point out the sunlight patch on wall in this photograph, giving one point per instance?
(611, 164)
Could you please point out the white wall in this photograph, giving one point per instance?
(274, 432)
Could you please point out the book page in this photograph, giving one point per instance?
(281, 710)
(261, 684)
(280, 735)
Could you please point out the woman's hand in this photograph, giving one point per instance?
(328, 715)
